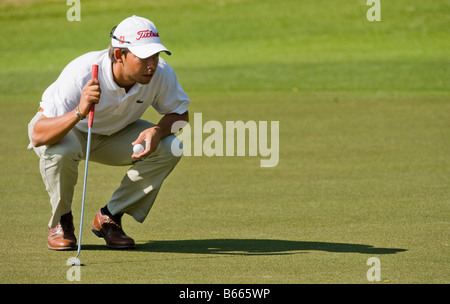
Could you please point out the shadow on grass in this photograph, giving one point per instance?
(256, 247)
(249, 247)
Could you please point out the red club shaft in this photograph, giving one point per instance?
(92, 109)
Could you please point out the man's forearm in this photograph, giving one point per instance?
(166, 122)
(49, 131)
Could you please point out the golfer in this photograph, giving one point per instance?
(131, 78)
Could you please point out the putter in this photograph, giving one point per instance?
(76, 260)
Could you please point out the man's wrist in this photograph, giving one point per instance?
(158, 131)
(79, 115)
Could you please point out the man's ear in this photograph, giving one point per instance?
(118, 55)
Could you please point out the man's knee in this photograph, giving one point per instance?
(64, 151)
(170, 146)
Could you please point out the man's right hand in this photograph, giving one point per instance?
(90, 94)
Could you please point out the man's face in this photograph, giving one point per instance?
(140, 70)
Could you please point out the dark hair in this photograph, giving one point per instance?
(111, 52)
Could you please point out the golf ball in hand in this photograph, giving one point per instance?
(138, 148)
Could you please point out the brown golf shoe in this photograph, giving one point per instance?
(110, 228)
(62, 237)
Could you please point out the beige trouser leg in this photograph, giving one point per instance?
(140, 186)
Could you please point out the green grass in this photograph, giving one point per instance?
(364, 127)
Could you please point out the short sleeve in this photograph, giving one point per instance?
(171, 97)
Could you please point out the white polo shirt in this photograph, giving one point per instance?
(116, 108)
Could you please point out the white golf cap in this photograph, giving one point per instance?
(139, 35)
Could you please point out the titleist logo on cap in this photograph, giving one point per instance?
(146, 34)
(139, 35)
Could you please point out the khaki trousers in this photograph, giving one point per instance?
(139, 187)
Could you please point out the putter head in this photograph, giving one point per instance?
(73, 262)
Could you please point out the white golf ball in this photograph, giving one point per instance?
(138, 148)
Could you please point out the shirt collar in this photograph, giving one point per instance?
(109, 79)
(108, 75)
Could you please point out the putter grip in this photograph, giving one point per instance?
(92, 109)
